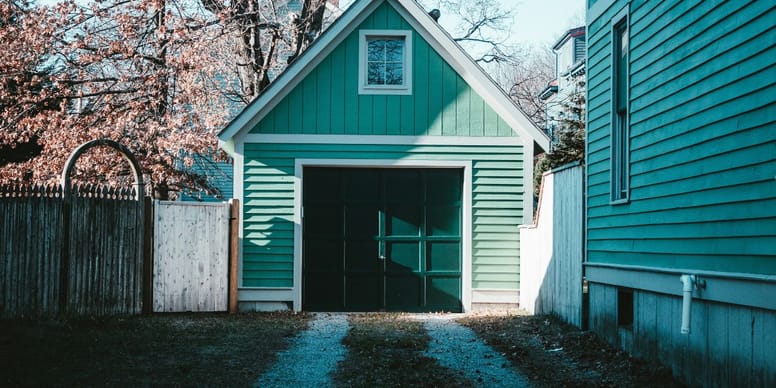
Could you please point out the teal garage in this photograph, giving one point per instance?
(382, 171)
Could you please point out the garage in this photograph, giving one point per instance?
(382, 239)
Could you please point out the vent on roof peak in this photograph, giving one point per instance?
(435, 14)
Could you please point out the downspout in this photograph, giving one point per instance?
(687, 284)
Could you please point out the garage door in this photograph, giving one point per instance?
(381, 239)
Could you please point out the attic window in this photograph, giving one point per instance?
(385, 62)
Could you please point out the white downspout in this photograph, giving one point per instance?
(688, 281)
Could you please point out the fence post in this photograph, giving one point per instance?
(148, 255)
(234, 228)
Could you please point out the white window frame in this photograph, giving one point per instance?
(619, 194)
(406, 87)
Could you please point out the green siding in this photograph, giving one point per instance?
(327, 100)
(703, 138)
(497, 201)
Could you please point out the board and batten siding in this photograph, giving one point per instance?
(702, 138)
(268, 225)
(327, 100)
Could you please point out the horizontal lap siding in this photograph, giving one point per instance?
(703, 138)
(327, 100)
(497, 202)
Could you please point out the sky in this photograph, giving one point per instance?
(536, 22)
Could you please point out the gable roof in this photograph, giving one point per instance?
(424, 25)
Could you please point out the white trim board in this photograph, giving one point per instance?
(487, 295)
(740, 289)
(466, 236)
(421, 22)
(379, 139)
(265, 294)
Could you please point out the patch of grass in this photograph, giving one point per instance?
(554, 354)
(386, 349)
(164, 349)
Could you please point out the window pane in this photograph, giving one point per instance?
(375, 73)
(376, 50)
(394, 50)
(394, 74)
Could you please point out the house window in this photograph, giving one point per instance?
(385, 62)
(620, 136)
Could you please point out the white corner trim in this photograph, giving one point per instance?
(487, 295)
(403, 89)
(237, 192)
(528, 182)
(380, 140)
(466, 243)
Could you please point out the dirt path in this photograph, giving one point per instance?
(312, 357)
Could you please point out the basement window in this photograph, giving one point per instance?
(624, 307)
(385, 62)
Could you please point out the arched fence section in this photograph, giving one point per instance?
(83, 250)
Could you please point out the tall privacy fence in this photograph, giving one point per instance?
(551, 250)
(101, 251)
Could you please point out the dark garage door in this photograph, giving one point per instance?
(381, 239)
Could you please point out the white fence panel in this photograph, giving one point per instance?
(191, 256)
(551, 250)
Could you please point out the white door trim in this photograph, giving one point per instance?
(466, 237)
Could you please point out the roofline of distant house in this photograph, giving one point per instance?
(572, 33)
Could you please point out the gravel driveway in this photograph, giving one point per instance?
(458, 347)
(314, 354)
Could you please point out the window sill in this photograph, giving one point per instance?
(616, 202)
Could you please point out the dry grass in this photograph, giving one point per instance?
(554, 354)
(166, 349)
(386, 350)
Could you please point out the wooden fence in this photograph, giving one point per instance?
(83, 256)
(551, 250)
(93, 254)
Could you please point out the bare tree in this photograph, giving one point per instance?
(482, 28)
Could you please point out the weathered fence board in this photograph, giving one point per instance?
(29, 267)
(90, 265)
(552, 249)
(191, 256)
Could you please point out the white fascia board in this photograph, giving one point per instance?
(301, 67)
(469, 70)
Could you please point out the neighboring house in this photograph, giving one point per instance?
(383, 170)
(569, 81)
(218, 173)
(681, 180)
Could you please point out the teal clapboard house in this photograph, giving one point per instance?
(383, 170)
(681, 185)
